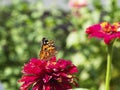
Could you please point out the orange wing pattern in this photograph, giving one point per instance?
(47, 50)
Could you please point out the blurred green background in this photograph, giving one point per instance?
(23, 24)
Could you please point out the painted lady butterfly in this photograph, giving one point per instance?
(47, 49)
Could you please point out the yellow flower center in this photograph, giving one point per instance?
(106, 27)
(116, 27)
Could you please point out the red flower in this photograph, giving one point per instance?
(105, 30)
(77, 3)
(48, 75)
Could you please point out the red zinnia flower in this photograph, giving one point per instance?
(105, 30)
(48, 75)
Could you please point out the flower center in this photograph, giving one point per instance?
(76, 3)
(106, 27)
(116, 27)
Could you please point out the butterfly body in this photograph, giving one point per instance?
(47, 50)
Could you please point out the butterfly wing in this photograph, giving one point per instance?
(47, 50)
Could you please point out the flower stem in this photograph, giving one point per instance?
(109, 60)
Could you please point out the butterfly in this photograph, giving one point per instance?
(48, 49)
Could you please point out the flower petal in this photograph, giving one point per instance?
(35, 66)
(108, 38)
(38, 85)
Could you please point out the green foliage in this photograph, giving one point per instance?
(23, 25)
